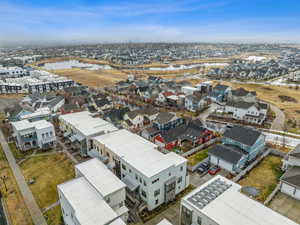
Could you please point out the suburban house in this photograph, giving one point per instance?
(102, 104)
(162, 96)
(115, 116)
(195, 103)
(95, 197)
(16, 112)
(167, 120)
(149, 133)
(220, 201)
(134, 119)
(192, 133)
(70, 108)
(290, 181)
(151, 177)
(204, 87)
(37, 101)
(220, 92)
(38, 134)
(80, 127)
(250, 112)
(239, 146)
(242, 95)
(188, 90)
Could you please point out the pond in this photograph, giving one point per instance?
(75, 64)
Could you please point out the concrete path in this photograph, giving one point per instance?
(34, 210)
(278, 123)
(67, 152)
(51, 206)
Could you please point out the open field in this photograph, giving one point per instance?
(17, 153)
(264, 176)
(272, 95)
(47, 171)
(96, 79)
(15, 204)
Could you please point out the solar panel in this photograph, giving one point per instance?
(207, 194)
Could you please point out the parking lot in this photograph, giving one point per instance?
(286, 206)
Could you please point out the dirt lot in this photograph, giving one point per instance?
(264, 176)
(96, 79)
(47, 171)
(16, 207)
(286, 206)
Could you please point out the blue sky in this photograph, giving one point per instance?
(155, 20)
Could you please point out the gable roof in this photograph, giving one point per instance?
(244, 135)
(102, 102)
(164, 117)
(247, 105)
(227, 153)
(292, 176)
(242, 92)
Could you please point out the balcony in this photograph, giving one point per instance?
(48, 139)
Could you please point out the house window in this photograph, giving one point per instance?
(130, 171)
(154, 181)
(179, 179)
(199, 220)
(144, 194)
(156, 201)
(108, 200)
(120, 204)
(157, 192)
(145, 184)
(136, 177)
(123, 167)
(181, 168)
(140, 180)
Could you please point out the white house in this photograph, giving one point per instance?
(95, 197)
(38, 134)
(220, 202)
(80, 127)
(290, 181)
(194, 103)
(247, 111)
(187, 90)
(242, 95)
(135, 117)
(154, 177)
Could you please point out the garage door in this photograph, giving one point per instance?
(285, 188)
(225, 165)
(213, 160)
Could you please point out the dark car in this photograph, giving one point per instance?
(214, 170)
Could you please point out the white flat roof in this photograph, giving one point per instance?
(90, 208)
(234, 208)
(86, 124)
(164, 222)
(137, 152)
(100, 176)
(25, 124)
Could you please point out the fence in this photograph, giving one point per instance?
(198, 148)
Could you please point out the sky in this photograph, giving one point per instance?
(103, 21)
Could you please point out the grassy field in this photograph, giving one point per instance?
(264, 176)
(96, 79)
(197, 157)
(48, 171)
(17, 153)
(271, 94)
(53, 216)
(16, 207)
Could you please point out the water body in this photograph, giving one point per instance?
(185, 67)
(74, 64)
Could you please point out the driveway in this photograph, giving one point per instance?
(278, 123)
(203, 116)
(286, 206)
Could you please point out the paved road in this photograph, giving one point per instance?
(34, 210)
(278, 123)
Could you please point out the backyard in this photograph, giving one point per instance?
(264, 176)
(14, 202)
(45, 172)
(198, 157)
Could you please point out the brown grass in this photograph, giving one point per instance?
(264, 176)
(96, 79)
(18, 213)
(48, 171)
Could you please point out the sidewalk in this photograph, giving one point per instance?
(34, 210)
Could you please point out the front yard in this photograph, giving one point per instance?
(265, 176)
(46, 172)
(198, 157)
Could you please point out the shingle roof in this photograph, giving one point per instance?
(242, 92)
(227, 153)
(292, 176)
(244, 135)
(164, 117)
(101, 102)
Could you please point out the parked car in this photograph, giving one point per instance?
(214, 170)
(203, 167)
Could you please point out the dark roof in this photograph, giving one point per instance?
(133, 114)
(102, 102)
(128, 123)
(227, 153)
(70, 107)
(115, 115)
(92, 109)
(152, 130)
(292, 176)
(55, 101)
(174, 133)
(14, 110)
(221, 87)
(296, 151)
(247, 105)
(244, 135)
(164, 117)
(242, 92)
